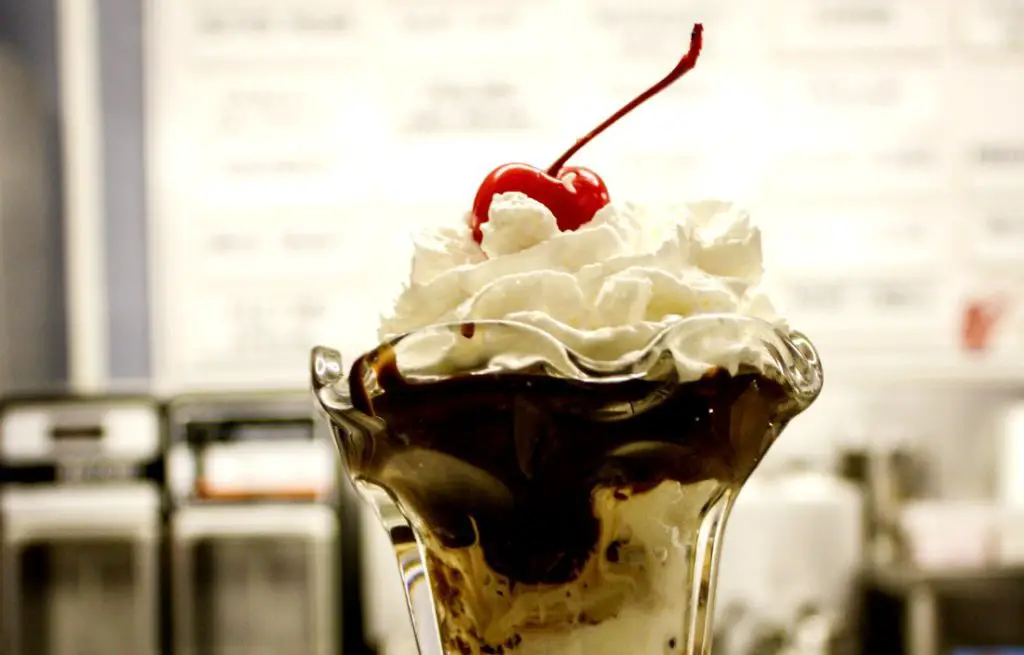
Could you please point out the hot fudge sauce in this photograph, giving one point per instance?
(515, 479)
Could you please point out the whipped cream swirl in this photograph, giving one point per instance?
(605, 290)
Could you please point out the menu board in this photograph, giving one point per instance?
(265, 126)
(295, 146)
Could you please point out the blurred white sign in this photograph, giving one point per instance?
(987, 129)
(858, 129)
(856, 25)
(268, 155)
(993, 26)
(296, 145)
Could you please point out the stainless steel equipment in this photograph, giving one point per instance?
(255, 528)
(742, 630)
(794, 541)
(889, 472)
(942, 612)
(28, 249)
(82, 525)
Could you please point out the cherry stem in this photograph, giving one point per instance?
(685, 64)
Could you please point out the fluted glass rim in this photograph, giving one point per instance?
(787, 355)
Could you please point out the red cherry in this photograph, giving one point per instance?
(574, 196)
(572, 193)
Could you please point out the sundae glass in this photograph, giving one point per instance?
(566, 400)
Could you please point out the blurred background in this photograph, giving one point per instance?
(192, 193)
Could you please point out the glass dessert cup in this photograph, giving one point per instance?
(550, 503)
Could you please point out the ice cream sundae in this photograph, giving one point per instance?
(567, 397)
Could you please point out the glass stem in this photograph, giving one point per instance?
(414, 577)
(708, 550)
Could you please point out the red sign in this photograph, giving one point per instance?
(980, 320)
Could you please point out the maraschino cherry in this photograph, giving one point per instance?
(572, 193)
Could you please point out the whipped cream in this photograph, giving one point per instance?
(605, 290)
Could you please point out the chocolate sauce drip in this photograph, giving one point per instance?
(512, 459)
